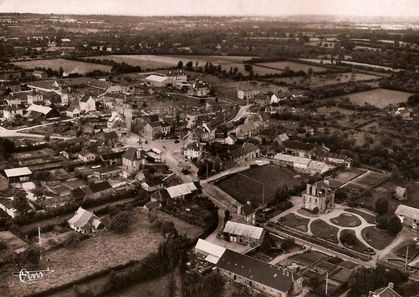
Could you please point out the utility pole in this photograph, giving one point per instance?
(406, 258)
(40, 243)
(327, 279)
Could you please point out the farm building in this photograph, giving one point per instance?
(157, 81)
(209, 250)
(243, 233)
(19, 174)
(36, 111)
(87, 104)
(181, 191)
(261, 276)
(408, 215)
(302, 164)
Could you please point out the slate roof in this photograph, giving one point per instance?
(130, 154)
(258, 271)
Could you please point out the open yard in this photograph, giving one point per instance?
(308, 258)
(101, 251)
(325, 231)
(378, 97)
(346, 220)
(248, 185)
(67, 65)
(377, 238)
(371, 180)
(296, 222)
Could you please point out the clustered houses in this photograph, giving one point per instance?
(193, 150)
(253, 273)
(319, 197)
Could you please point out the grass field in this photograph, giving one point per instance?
(377, 238)
(294, 66)
(294, 221)
(345, 176)
(367, 217)
(243, 187)
(325, 231)
(371, 180)
(321, 80)
(67, 65)
(308, 258)
(358, 246)
(101, 251)
(346, 220)
(378, 97)
(156, 61)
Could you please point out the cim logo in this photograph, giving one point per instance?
(26, 276)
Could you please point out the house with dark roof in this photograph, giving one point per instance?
(151, 182)
(132, 160)
(241, 155)
(87, 104)
(111, 158)
(258, 275)
(247, 213)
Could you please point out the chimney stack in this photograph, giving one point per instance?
(391, 285)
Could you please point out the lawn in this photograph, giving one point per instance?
(243, 187)
(377, 238)
(367, 217)
(325, 231)
(358, 246)
(378, 97)
(68, 66)
(293, 221)
(346, 220)
(101, 251)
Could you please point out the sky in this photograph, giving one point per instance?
(387, 8)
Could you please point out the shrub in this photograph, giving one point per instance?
(121, 222)
(348, 238)
(381, 206)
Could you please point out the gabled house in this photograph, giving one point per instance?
(11, 111)
(87, 156)
(385, 292)
(243, 233)
(400, 193)
(116, 123)
(132, 160)
(85, 222)
(35, 97)
(73, 111)
(20, 174)
(87, 104)
(193, 150)
(247, 213)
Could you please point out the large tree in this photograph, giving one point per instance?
(381, 206)
(121, 222)
(20, 202)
